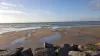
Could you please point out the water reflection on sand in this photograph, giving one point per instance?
(50, 39)
(29, 43)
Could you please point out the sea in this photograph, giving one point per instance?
(7, 27)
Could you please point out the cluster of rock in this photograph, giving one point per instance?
(51, 50)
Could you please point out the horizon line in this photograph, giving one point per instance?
(50, 22)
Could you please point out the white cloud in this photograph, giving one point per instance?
(12, 13)
(35, 16)
(9, 11)
(4, 3)
(8, 8)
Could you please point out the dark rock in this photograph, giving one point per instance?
(74, 48)
(63, 51)
(38, 49)
(18, 52)
(27, 52)
(45, 52)
(56, 47)
(47, 45)
(2, 50)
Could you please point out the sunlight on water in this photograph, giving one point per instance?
(20, 40)
(23, 41)
(50, 38)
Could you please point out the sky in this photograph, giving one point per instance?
(17, 11)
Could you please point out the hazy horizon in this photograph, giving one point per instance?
(49, 21)
(23, 11)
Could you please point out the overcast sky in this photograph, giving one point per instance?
(49, 10)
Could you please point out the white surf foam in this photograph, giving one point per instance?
(4, 30)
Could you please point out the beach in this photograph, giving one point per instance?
(36, 37)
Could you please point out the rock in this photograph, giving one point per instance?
(17, 52)
(87, 47)
(47, 45)
(38, 49)
(98, 44)
(27, 52)
(98, 47)
(76, 53)
(63, 51)
(74, 48)
(81, 47)
(45, 52)
(92, 53)
(56, 47)
(5, 52)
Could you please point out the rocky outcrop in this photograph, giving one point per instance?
(17, 52)
(51, 50)
(27, 52)
(74, 47)
(45, 52)
(68, 50)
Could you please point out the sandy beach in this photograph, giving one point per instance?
(74, 35)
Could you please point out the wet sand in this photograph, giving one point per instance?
(75, 35)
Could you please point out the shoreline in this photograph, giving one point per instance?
(54, 27)
(74, 35)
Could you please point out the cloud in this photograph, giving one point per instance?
(94, 5)
(10, 11)
(9, 8)
(17, 13)
(5, 5)
(10, 4)
(36, 16)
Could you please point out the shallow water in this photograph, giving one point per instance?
(20, 40)
(50, 39)
(24, 42)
